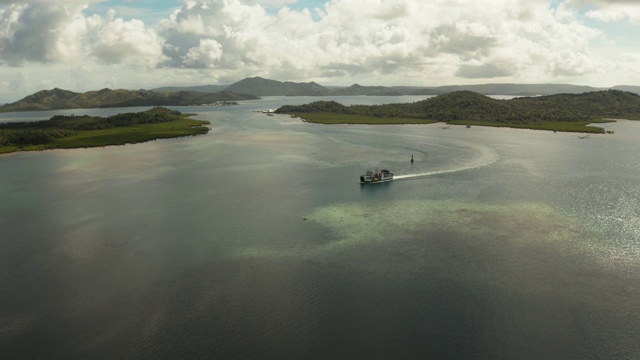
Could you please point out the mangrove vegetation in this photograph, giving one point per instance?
(562, 112)
(90, 131)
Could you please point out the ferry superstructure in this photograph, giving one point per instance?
(374, 176)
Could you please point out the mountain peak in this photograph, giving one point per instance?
(264, 87)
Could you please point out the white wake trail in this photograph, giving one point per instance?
(488, 157)
(430, 173)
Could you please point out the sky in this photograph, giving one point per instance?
(83, 45)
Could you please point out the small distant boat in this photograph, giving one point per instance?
(374, 176)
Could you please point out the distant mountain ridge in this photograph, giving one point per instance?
(521, 89)
(64, 99)
(629, 88)
(200, 88)
(255, 87)
(264, 87)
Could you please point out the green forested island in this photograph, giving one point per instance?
(92, 131)
(562, 112)
(56, 99)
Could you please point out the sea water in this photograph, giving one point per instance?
(257, 241)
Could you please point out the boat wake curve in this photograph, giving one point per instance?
(488, 157)
(430, 173)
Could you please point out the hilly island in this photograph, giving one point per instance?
(57, 99)
(64, 132)
(562, 112)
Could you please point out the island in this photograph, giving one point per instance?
(82, 131)
(58, 99)
(561, 112)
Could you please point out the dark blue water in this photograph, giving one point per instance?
(257, 241)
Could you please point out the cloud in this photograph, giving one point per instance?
(120, 41)
(463, 39)
(622, 12)
(349, 37)
(603, 3)
(610, 10)
(32, 33)
(45, 32)
(342, 41)
(482, 71)
(217, 28)
(67, 2)
(274, 3)
(206, 55)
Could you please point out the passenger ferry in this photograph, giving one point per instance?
(374, 176)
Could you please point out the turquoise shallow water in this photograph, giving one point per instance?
(257, 241)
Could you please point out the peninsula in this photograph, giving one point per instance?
(562, 112)
(63, 132)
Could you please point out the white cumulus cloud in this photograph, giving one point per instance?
(205, 55)
(60, 32)
(119, 41)
(341, 42)
(610, 10)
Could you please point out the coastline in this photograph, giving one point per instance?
(337, 119)
(179, 126)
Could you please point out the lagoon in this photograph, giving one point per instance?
(257, 241)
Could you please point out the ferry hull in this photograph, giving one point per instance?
(376, 177)
(364, 181)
